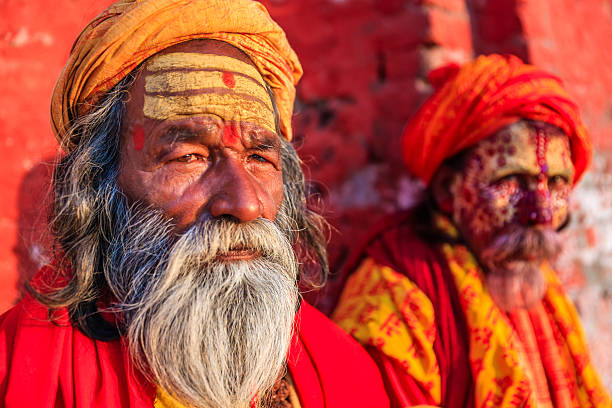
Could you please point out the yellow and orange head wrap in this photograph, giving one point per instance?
(476, 100)
(130, 31)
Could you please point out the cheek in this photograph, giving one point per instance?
(276, 191)
(559, 206)
(485, 210)
(504, 203)
(471, 211)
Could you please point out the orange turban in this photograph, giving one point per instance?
(476, 100)
(130, 31)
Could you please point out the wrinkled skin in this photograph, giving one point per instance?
(508, 182)
(198, 143)
(508, 201)
(198, 163)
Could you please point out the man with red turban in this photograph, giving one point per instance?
(458, 300)
(176, 210)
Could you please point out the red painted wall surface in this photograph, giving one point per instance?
(365, 63)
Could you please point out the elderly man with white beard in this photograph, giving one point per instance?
(176, 210)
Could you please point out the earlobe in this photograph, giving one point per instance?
(441, 189)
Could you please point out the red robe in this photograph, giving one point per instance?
(393, 243)
(45, 364)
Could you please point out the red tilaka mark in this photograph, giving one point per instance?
(541, 142)
(230, 135)
(139, 137)
(228, 79)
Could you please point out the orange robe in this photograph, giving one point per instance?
(45, 365)
(426, 317)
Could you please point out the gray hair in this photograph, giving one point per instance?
(86, 201)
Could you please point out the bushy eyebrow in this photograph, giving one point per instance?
(263, 141)
(179, 134)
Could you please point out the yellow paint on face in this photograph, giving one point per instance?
(505, 183)
(558, 157)
(196, 61)
(186, 84)
(174, 81)
(230, 107)
(515, 152)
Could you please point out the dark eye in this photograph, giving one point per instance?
(258, 158)
(190, 158)
(509, 179)
(557, 180)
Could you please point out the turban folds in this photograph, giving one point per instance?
(476, 100)
(130, 31)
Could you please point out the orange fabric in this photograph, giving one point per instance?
(502, 374)
(529, 347)
(478, 99)
(130, 31)
(553, 358)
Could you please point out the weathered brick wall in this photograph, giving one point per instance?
(365, 62)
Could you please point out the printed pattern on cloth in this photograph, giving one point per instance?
(382, 308)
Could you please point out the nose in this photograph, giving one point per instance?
(537, 204)
(238, 196)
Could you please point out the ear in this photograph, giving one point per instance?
(441, 189)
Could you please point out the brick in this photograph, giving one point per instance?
(452, 31)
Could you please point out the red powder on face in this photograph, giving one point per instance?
(541, 144)
(139, 137)
(228, 79)
(230, 135)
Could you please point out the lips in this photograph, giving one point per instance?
(238, 254)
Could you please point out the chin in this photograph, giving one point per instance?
(518, 284)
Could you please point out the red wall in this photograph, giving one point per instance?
(365, 62)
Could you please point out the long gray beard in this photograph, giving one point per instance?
(212, 334)
(513, 263)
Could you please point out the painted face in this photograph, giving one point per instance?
(199, 136)
(519, 176)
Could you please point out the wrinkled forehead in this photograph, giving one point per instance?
(204, 77)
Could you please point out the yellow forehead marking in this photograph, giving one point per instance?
(189, 84)
(521, 141)
(558, 156)
(192, 60)
(227, 106)
(177, 81)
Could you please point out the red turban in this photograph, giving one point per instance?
(476, 100)
(130, 31)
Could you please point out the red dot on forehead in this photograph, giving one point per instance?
(230, 135)
(228, 79)
(139, 137)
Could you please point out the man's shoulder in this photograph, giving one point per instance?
(44, 357)
(406, 244)
(31, 347)
(30, 318)
(322, 335)
(31, 315)
(323, 356)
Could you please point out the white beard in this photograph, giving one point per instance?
(513, 262)
(214, 334)
(520, 285)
